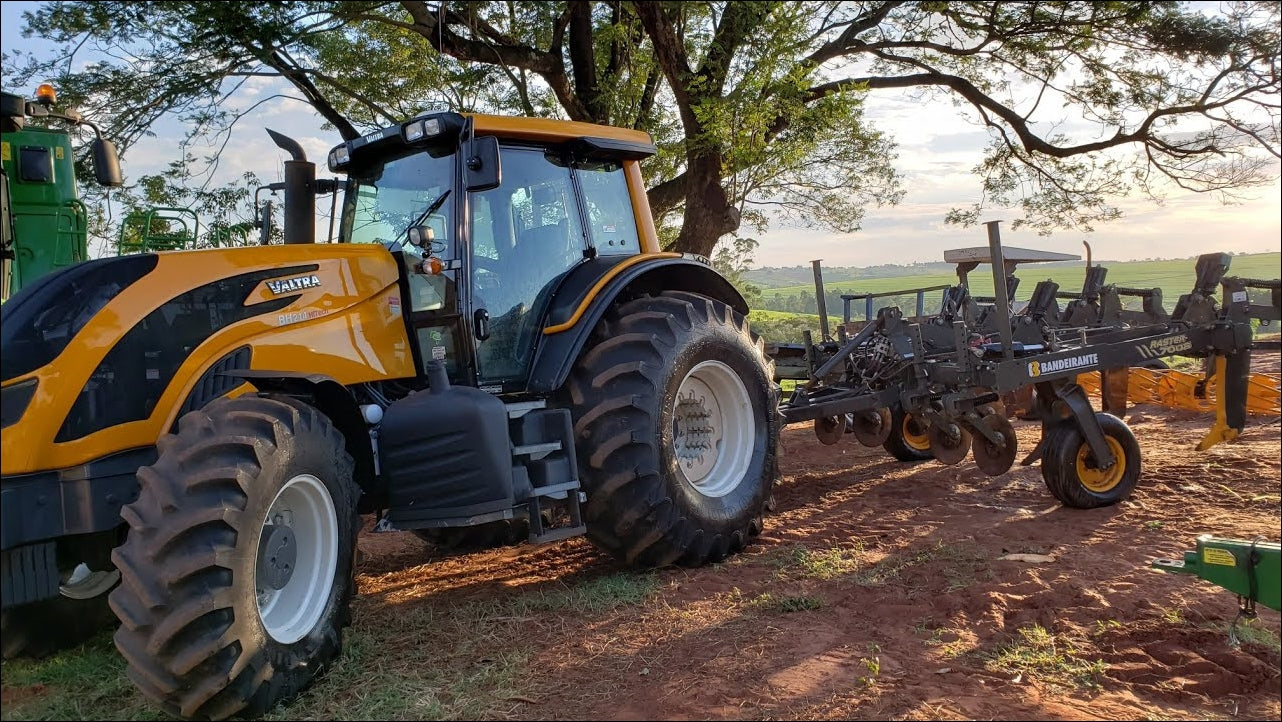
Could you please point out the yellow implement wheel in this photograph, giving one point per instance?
(1072, 473)
(916, 433)
(1098, 480)
(909, 437)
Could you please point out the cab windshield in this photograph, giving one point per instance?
(388, 198)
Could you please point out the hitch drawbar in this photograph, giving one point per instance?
(1251, 570)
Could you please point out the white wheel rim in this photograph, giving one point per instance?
(305, 506)
(713, 429)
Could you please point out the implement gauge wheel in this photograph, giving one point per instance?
(1072, 474)
(236, 575)
(676, 430)
(909, 437)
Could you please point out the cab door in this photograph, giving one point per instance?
(525, 234)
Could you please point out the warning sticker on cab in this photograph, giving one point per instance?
(1221, 557)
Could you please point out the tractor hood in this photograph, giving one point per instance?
(103, 356)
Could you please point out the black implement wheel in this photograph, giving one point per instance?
(236, 575)
(1070, 471)
(949, 442)
(995, 459)
(676, 429)
(909, 437)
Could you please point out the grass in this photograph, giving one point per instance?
(949, 649)
(424, 661)
(87, 682)
(1172, 615)
(824, 564)
(964, 565)
(785, 604)
(1040, 655)
(1250, 633)
(1104, 626)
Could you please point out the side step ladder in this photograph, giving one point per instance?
(544, 437)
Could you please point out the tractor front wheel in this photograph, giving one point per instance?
(236, 575)
(676, 429)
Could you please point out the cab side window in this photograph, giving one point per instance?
(612, 227)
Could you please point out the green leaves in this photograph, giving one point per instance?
(756, 108)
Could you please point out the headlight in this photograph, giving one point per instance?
(339, 157)
(417, 130)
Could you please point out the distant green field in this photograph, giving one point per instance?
(1173, 277)
(779, 317)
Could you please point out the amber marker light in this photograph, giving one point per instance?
(46, 94)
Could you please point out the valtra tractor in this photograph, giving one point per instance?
(496, 347)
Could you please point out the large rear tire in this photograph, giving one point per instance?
(237, 570)
(676, 426)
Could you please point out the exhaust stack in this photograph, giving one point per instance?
(300, 191)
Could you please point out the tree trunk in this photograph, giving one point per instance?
(708, 213)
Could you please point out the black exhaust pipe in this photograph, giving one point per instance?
(300, 191)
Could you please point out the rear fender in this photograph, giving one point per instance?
(584, 295)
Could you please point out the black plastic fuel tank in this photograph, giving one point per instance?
(445, 453)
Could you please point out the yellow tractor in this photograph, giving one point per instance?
(496, 347)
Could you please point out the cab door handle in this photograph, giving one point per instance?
(481, 324)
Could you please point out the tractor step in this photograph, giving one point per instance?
(543, 452)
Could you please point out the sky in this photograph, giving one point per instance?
(936, 150)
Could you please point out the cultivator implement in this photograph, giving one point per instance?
(932, 387)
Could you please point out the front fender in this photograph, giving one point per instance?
(584, 295)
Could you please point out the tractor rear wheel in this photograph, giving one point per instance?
(236, 575)
(909, 437)
(1072, 474)
(676, 428)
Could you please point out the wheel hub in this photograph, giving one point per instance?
(694, 433)
(297, 557)
(713, 429)
(277, 554)
(1101, 480)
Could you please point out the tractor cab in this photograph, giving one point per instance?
(489, 218)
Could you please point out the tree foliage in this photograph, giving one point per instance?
(757, 107)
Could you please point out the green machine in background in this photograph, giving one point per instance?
(43, 223)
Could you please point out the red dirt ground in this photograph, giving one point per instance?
(911, 631)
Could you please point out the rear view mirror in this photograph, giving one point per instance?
(481, 170)
(106, 164)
